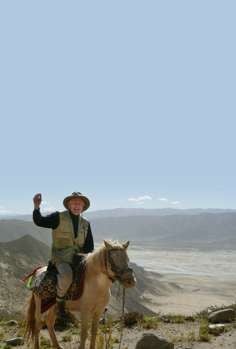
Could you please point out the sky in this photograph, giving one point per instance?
(130, 102)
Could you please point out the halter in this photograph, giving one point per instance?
(117, 271)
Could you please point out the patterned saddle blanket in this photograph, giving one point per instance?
(43, 280)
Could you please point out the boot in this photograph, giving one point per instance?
(62, 315)
(61, 312)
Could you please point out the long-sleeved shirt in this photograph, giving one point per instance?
(52, 221)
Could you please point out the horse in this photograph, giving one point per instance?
(103, 266)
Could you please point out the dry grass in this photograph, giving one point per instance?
(204, 335)
(149, 322)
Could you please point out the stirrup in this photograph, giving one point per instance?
(60, 299)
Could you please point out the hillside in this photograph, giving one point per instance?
(12, 229)
(19, 257)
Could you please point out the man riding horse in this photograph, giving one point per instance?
(71, 233)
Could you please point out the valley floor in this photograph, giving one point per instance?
(190, 294)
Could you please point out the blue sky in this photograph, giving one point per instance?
(129, 102)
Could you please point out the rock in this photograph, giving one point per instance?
(150, 341)
(165, 319)
(216, 329)
(132, 318)
(11, 323)
(219, 316)
(15, 341)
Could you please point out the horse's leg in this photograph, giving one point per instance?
(50, 322)
(38, 323)
(84, 330)
(94, 329)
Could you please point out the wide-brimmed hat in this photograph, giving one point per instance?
(76, 195)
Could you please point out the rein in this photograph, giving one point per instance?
(122, 323)
(122, 319)
(117, 276)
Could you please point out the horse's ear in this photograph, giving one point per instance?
(126, 244)
(107, 245)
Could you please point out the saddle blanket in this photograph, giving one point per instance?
(43, 280)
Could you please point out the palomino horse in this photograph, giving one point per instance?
(105, 265)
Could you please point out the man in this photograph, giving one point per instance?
(71, 233)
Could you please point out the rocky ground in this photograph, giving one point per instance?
(185, 332)
(179, 299)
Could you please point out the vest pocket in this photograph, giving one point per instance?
(63, 242)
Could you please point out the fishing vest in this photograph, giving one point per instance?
(64, 243)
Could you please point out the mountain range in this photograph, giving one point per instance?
(199, 229)
(127, 212)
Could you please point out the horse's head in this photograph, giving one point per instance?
(117, 263)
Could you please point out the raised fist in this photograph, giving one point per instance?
(37, 199)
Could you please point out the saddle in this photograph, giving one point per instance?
(43, 280)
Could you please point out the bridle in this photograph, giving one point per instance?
(118, 273)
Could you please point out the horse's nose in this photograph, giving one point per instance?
(128, 278)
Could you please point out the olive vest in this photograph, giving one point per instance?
(64, 243)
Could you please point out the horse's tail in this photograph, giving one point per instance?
(30, 327)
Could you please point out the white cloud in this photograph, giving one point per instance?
(140, 199)
(163, 199)
(3, 210)
(175, 202)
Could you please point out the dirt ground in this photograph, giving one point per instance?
(226, 341)
(193, 295)
(184, 336)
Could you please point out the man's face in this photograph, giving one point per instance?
(76, 206)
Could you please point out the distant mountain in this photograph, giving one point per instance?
(11, 229)
(203, 230)
(206, 230)
(131, 212)
(33, 251)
